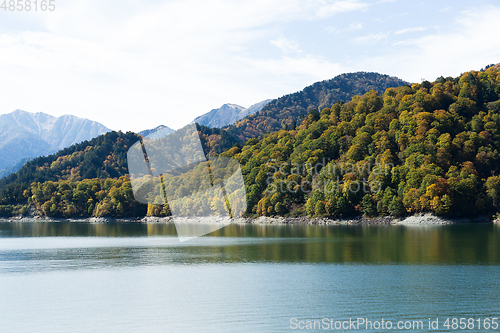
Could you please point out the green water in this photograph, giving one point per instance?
(134, 277)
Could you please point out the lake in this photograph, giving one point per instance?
(137, 277)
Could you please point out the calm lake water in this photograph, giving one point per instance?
(133, 277)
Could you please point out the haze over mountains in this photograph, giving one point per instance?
(25, 135)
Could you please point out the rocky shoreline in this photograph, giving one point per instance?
(418, 219)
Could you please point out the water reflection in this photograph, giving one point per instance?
(131, 244)
(133, 277)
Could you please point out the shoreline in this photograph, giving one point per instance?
(418, 219)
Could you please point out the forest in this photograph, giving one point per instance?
(425, 147)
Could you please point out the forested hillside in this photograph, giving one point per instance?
(102, 157)
(429, 147)
(69, 182)
(60, 178)
(288, 111)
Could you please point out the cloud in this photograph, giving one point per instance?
(308, 66)
(337, 7)
(470, 43)
(103, 60)
(404, 31)
(171, 61)
(351, 27)
(371, 38)
(286, 45)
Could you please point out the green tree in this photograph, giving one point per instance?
(396, 207)
(319, 209)
(368, 207)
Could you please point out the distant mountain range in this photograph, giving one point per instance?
(112, 147)
(439, 141)
(274, 114)
(228, 114)
(25, 135)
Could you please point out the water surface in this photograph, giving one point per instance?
(135, 277)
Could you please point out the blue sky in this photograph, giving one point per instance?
(133, 65)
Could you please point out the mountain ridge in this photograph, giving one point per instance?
(216, 140)
(228, 114)
(287, 110)
(25, 135)
(164, 130)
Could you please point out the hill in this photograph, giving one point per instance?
(102, 157)
(70, 174)
(287, 111)
(432, 147)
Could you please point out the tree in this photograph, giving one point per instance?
(368, 208)
(319, 209)
(279, 208)
(493, 189)
(396, 207)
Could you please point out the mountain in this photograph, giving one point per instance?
(102, 157)
(252, 109)
(158, 131)
(426, 147)
(25, 135)
(95, 166)
(429, 147)
(287, 111)
(215, 139)
(228, 114)
(14, 168)
(489, 66)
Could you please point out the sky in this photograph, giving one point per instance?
(133, 65)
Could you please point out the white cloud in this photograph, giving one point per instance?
(404, 31)
(371, 38)
(286, 45)
(469, 44)
(352, 27)
(355, 26)
(168, 62)
(108, 60)
(340, 7)
(306, 66)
